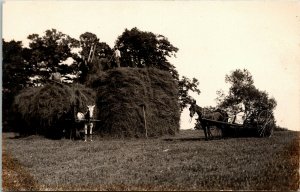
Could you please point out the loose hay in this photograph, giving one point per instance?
(39, 109)
(123, 93)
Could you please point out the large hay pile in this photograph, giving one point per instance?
(137, 103)
(39, 109)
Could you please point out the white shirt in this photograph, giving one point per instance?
(117, 53)
(240, 117)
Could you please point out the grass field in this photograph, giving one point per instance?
(182, 162)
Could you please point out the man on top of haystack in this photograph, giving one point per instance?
(55, 76)
(117, 55)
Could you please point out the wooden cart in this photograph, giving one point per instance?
(260, 125)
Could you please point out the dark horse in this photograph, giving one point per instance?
(217, 115)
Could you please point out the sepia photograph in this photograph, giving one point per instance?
(103, 95)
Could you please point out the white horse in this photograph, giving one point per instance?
(87, 124)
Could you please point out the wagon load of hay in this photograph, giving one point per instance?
(43, 109)
(137, 103)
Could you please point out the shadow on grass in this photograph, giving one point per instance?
(25, 137)
(185, 139)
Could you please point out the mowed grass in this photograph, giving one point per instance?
(183, 162)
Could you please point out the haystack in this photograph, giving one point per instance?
(39, 109)
(134, 102)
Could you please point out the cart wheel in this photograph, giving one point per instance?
(215, 132)
(265, 124)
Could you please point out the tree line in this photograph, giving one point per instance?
(79, 60)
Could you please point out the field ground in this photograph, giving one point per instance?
(183, 162)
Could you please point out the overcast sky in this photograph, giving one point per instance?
(213, 37)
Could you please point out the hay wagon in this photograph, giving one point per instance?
(260, 124)
(76, 128)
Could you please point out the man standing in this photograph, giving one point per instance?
(117, 55)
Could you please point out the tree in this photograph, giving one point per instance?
(95, 56)
(243, 91)
(15, 74)
(145, 49)
(14, 67)
(185, 85)
(47, 53)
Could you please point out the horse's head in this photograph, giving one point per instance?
(192, 110)
(91, 110)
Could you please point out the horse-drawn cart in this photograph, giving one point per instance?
(81, 123)
(259, 124)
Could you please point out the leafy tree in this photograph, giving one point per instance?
(15, 74)
(47, 53)
(94, 57)
(146, 49)
(185, 85)
(242, 90)
(14, 66)
(88, 43)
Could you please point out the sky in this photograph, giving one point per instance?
(213, 37)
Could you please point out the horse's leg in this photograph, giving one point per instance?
(91, 131)
(222, 130)
(205, 131)
(71, 134)
(209, 132)
(85, 132)
(73, 131)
